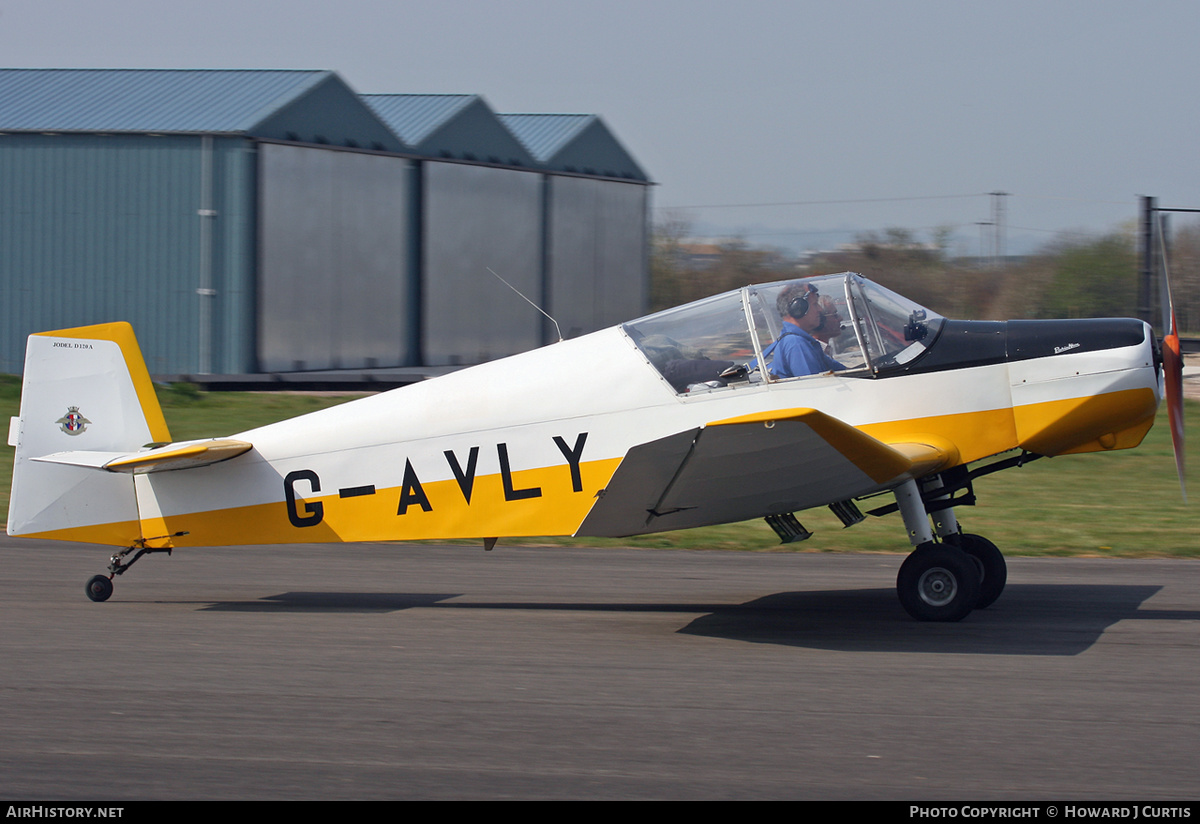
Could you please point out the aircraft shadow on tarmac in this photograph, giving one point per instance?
(335, 602)
(1029, 619)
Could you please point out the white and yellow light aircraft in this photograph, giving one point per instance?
(662, 423)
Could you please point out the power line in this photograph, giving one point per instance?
(851, 231)
(890, 200)
(1075, 232)
(822, 202)
(1077, 199)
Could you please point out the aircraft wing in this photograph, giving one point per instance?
(750, 466)
(186, 455)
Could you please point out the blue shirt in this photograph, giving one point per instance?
(798, 353)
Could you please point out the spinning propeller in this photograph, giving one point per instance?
(1172, 369)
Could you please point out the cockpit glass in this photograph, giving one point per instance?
(828, 324)
(692, 345)
(895, 329)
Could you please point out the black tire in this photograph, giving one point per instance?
(938, 582)
(99, 588)
(993, 571)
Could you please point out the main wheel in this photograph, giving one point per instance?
(99, 587)
(938, 582)
(993, 571)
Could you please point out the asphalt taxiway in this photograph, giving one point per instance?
(384, 671)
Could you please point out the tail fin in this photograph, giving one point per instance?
(84, 389)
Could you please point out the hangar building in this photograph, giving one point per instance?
(266, 221)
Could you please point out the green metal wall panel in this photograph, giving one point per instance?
(97, 228)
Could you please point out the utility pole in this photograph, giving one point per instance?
(1146, 276)
(1155, 241)
(984, 253)
(1001, 241)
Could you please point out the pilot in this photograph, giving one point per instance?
(831, 323)
(797, 352)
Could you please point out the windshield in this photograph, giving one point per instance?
(828, 324)
(894, 329)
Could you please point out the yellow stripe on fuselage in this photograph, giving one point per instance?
(1115, 420)
(550, 506)
(976, 434)
(118, 533)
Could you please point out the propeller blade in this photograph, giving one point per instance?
(1173, 377)
(1172, 362)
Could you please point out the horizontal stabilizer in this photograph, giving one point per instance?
(185, 455)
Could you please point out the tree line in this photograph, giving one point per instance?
(1071, 277)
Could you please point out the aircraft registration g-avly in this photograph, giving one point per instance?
(662, 423)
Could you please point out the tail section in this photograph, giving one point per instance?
(87, 390)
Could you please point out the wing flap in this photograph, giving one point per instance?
(746, 467)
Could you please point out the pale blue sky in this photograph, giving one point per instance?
(1073, 107)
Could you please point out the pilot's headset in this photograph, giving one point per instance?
(798, 306)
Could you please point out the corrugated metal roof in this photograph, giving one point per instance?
(545, 134)
(413, 117)
(146, 100)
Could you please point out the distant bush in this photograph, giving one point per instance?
(180, 394)
(10, 387)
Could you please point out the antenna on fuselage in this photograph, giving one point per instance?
(557, 330)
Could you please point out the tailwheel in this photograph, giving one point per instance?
(99, 588)
(938, 582)
(993, 571)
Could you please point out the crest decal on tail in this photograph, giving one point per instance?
(73, 423)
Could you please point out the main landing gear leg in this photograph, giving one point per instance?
(936, 582)
(100, 587)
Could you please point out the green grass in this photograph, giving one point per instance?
(191, 413)
(1124, 503)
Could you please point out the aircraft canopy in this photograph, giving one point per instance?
(722, 341)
